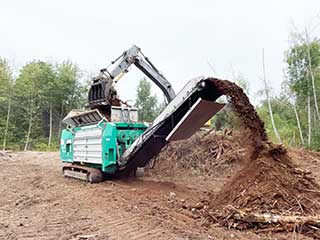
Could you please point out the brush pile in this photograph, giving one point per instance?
(207, 153)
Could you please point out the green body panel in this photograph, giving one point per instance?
(66, 147)
(116, 137)
(109, 149)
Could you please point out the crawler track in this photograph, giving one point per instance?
(87, 174)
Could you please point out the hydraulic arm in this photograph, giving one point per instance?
(102, 94)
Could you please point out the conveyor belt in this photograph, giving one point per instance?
(194, 105)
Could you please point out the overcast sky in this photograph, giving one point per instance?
(178, 36)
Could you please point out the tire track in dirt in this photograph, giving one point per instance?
(44, 205)
(116, 225)
(131, 227)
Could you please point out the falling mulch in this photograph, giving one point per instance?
(240, 104)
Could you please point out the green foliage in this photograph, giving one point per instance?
(145, 102)
(41, 144)
(5, 79)
(297, 68)
(39, 89)
(71, 92)
(300, 84)
(6, 82)
(33, 89)
(284, 120)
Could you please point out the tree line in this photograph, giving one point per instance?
(33, 104)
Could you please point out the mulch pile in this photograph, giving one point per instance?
(270, 186)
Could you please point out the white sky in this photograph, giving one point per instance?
(178, 36)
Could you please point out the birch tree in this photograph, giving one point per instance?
(309, 121)
(6, 82)
(298, 122)
(30, 123)
(289, 95)
(266, 88)
(311, 74)
(7, 125)
(50, 127)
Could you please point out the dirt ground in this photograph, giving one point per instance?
(36, 202)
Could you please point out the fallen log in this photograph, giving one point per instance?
(252, 217)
